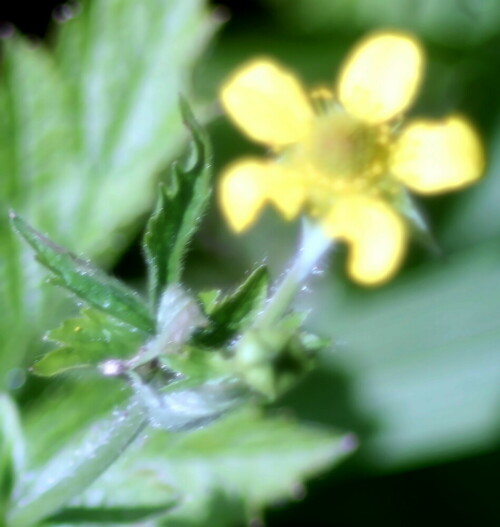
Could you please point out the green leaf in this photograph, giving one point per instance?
(66, 409)
(112, 515)
(234, 313)
(72, 470)
(127, 118)
(87, 125)
(12, 450)
(181, 204)
(87, 341)
(88, 283)
(419, 360)
(229, 459)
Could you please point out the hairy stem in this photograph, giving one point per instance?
(313, 246)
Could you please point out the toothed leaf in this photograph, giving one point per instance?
(85, 281)
(88, 340)
(235, 312)
(181, 204)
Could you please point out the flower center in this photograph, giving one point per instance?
(342, 147)
(341, 151)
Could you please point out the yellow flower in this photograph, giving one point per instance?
(343, 157)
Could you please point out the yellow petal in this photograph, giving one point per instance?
(286, 190)
(242, 192)
(435, 156)
(268, 103)
(375, 233)
(381, 77)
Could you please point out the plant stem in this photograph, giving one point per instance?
(73, 470)
(314, 245)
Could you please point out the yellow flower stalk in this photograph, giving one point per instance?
(343, 156)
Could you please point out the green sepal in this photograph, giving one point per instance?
(196, 366)
(234, 313)
(87, 341)
(85, 281)
(209, 299)
(180, 206)
(417, 222)
(270, 361)
(112, 515)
